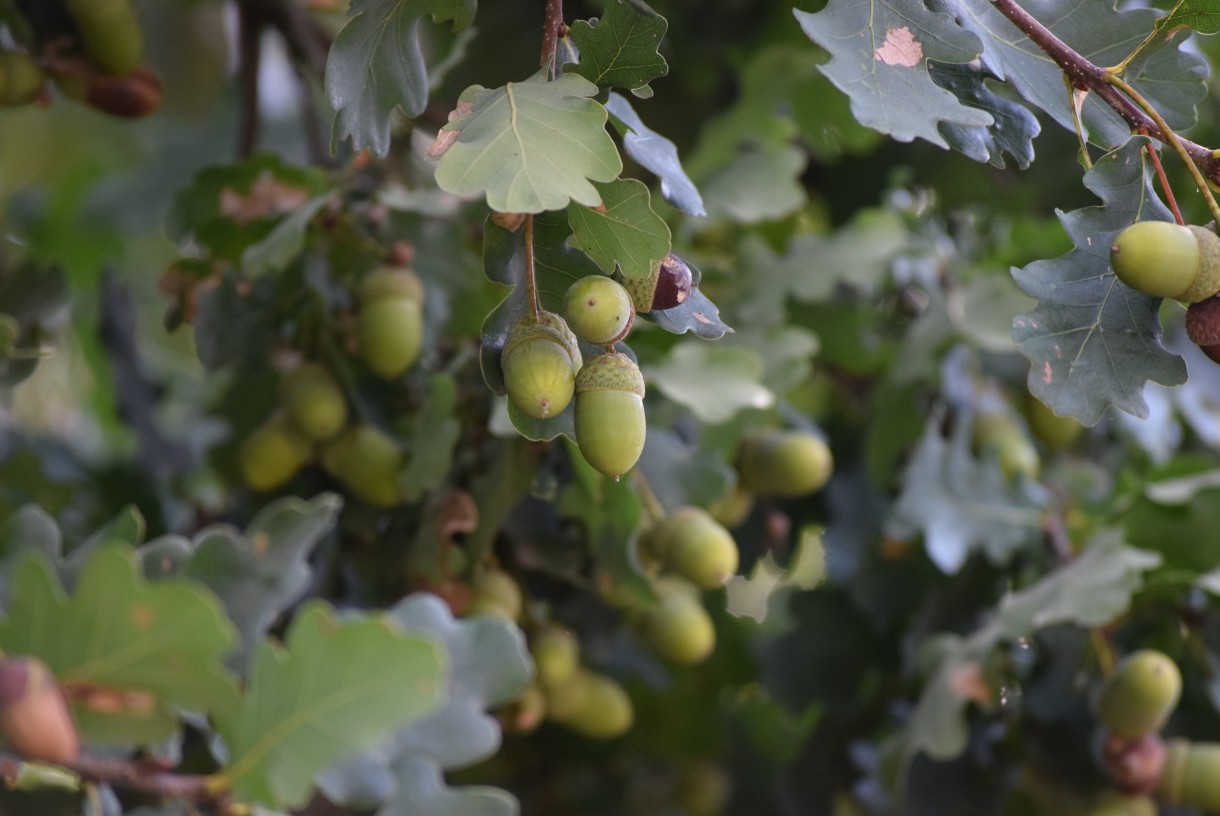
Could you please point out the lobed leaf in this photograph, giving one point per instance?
(656, 154)
(1093, 342)
(620, 49)
(624, 232)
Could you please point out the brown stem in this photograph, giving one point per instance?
(1164, 181)
(531, 285)
(131, 775)
(249, 49)
(550, 32)
(1084, 74)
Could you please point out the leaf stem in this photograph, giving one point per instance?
(123, 773)
(531, 285)
(1085, 75)
(1174, 142)
(1164, 181)
(550, 34)
(1075, 95)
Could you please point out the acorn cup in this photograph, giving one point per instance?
(21, 79)
(694, 545)
(110, 33)
(668, 285)
(539, 362)
(784, 464)
(599, 310)
(313, 401)
(610, 422)
(391, 322)
(1168, 260)
(1140, 694)
(34, 717)
(1191, 776)
(273, 454)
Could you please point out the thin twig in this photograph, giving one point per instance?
(1085, 74)
(128, 774)
(550, 33)
(250, 30)
(1164, 182)
(531, 285)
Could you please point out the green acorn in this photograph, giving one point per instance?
(110, 33)
(784, 463)
(1191, 776)
(599, 310)
(696, 546)
(556, 656)
(21, 79)
(495, 592)
(678, 628)
(391, 322)
(539, 362)
(366, 461)
(1002, 435)
(1140, 694)
(610, 423)
(1168, 260)
(591, 704)
(313, 401)
(273, 454)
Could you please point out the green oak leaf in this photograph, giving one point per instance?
(623, 232)
(1089, 591)
(134, 650)
(257, 574)
(375, 65)
(713, 382)
(1012, 131)
(530, 146)
(335, 687)
(421, 791)
(285, 241)
(879, 56)
(1093, 342)
(1199, 15)
(656, 154)
(435, 431)
(620, 49)
(1170, 79)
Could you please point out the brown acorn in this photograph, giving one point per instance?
(34, 717)
(1203, 326)
(668, 285)
(127, 95)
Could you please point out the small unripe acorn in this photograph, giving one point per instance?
(1140, 694)
(610, 422)
(593, 705)
(1168, 260)
(366, 461)
(313, 402)
(273, 454)
(784, 463)
(110, 33)
(391, 322)
(494, 592)
(1058, 433)
(539, 362)
(556, 656)
(599, 310)
(21, 79)
(694, 545)
(1191, 776)
(34, 717)
(668, 285)
(678, 628)
(1002, 435)
(733, 507)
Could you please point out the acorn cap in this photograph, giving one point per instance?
(1207, 279)
(546, 326)
(610, 372)
(391, 282)
(1203, 322)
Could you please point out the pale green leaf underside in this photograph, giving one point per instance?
(530, 146)
(627, 233)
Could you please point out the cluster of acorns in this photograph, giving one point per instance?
(313, 416)
(93, 49)
(544, 370)
(1136, 701)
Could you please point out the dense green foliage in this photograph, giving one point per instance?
(856, 474)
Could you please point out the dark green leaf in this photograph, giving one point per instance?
(375, 65)
(1012, 131)
(620, 49)
(624, 232)
(1093, 342)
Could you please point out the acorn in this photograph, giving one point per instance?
(129, 96)
(1140, 694)
(1134, 764)
(556, 656)
(21, 79)
(1191, 776)
(273, 454)
(539, 362)
(1203, 326)
(1168, 260)
(495, 592)
(784, 463)
(1001, 435)
(391, 322)
(34, 717)
(668, 285)
(592, 704)
(110, 33)
(733, 507)
(599, 310)
(694, 545)
(1058, 433)
(610, 423)
(366, 461)
(313, 401)
(678, 628)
